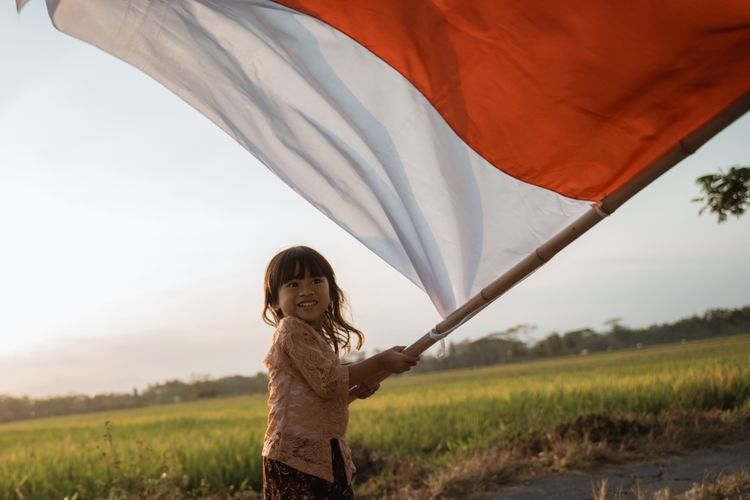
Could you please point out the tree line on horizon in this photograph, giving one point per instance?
(505, 346)
(498, 347)
(171, 391)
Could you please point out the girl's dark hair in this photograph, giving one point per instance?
(292, 263)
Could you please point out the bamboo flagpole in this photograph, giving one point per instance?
(589, 219)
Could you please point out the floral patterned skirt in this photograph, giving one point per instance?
(281, 482)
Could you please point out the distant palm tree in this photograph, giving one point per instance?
(725, 193)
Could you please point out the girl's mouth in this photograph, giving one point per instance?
(307, 303)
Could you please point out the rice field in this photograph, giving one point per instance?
(215, 445)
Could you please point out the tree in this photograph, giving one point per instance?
(725, 193)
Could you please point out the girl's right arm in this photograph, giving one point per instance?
(390, 361)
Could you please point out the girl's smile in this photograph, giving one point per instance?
(307, 298)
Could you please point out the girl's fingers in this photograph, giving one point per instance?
(366, 391)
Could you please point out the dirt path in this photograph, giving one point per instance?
(678, 473)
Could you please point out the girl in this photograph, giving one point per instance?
(304, 451)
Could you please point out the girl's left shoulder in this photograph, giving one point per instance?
(289, 331)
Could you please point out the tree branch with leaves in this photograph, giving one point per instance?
(725, 193)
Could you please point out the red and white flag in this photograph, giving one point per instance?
(451, 137)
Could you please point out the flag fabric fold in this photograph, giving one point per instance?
(450, 138)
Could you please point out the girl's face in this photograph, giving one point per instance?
(306, 298)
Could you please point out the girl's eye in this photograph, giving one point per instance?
(290, 284)
(317, 280)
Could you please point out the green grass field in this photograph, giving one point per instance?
(436, 418)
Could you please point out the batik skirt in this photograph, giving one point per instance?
(282, 482)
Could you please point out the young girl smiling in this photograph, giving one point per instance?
(305, 454)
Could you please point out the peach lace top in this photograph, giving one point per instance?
(308, 398)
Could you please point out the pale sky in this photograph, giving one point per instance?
(134, 235)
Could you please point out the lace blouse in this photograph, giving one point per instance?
(308, 398)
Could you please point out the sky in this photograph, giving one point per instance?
(134, 235)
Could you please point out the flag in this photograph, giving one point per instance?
(453, 138)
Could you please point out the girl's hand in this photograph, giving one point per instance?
(395, 361)
(364, 391)
(378, 367)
